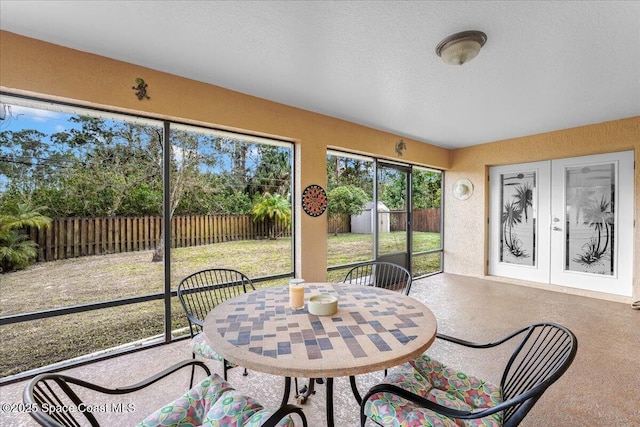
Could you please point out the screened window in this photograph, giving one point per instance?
(83, 208)
(426, 238)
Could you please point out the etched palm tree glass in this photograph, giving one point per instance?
(518, 218)
(590, 218)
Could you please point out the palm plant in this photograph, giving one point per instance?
(16, 250)
(272, 208)
(24, 216)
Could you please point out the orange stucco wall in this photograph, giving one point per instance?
(466, 230)
(33, 67)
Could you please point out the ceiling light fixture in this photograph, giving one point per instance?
(461, 47)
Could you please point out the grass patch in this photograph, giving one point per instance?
(30, 345)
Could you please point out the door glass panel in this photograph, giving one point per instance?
(424, 264)
(350, 181)
(518, 219)
(392, 211)
(590, 218)
(426, 199)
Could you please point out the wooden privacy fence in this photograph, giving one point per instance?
(76, 237)
(423, 220)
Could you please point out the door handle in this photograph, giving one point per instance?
(557, 229)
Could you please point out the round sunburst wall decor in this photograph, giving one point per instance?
(314, 200)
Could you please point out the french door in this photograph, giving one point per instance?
(566, 222)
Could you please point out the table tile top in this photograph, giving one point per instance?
(373, 329)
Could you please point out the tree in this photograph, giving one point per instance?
(16, 250)
(94, 167)
(272, 172)
(348, 171)
(346, 200)
(426, 189)
(272, 208)
(186, 165)
(114, 159)
(393, 189)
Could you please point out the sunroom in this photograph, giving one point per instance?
(154, 140)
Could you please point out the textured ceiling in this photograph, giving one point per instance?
(546, 65)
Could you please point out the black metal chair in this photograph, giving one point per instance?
(425, 389)
(54, 401)
(381, 274)
(199, 293)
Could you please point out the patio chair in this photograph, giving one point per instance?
(424, 392)
(381, 274)
(55, 401)
(199, 293)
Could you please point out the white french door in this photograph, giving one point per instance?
(566, 222)
(520, 206)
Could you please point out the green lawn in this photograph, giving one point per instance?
(37, 343)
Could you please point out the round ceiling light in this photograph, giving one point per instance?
(461, 47)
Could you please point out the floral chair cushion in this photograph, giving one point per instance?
(234, 409)
(212, 403)
(432, 380)
(200, 347)
(473, 391)
(190, 409)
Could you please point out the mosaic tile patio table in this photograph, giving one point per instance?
(374, 329)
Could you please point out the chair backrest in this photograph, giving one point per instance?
(52, 400)
(53, 403)
(200, 292)
(545, 352)
(381, 274)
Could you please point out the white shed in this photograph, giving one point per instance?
(363, 223)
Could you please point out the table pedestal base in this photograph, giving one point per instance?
(306, 391)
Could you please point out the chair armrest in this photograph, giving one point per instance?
(160, 375)
(483, 345)
(119, 390)
(193, 319)
(282, 412)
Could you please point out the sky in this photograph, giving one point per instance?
(18, 117)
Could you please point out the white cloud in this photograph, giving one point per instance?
(36, 114)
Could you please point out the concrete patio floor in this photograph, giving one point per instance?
(599, 389)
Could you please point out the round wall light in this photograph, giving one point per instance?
(462, 189)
